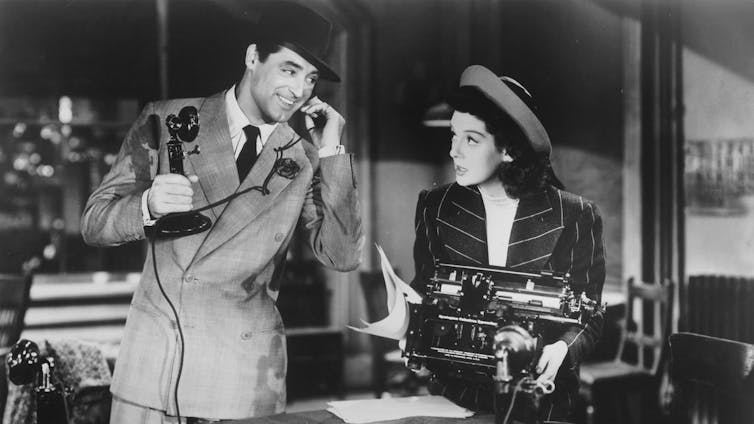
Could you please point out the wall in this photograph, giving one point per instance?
(567, 53)
(719, 99)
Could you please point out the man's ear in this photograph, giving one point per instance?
(252, 56)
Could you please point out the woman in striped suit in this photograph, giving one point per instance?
(507, 208)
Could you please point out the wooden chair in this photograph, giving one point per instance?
(713, 378)
(14, 300)
(634, 368)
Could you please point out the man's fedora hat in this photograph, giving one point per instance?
(496, 89)
(300, 29)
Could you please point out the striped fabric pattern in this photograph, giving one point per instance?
(553, 230)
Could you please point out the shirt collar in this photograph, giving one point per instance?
(237, 120)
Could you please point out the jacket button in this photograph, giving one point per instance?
(188, 278)
(246, 335)
(279, 237)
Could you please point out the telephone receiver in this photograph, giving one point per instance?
(182, 129)
(27, 365)
(185, 126)
(319, 120)
(23, 362)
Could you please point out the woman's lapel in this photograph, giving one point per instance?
(535, 232)
(461, 225)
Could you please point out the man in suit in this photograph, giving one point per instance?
(507, 208)
(204, 340)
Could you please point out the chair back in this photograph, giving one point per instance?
(712, 371)
(375, 298)
(14, 301)
(375, 295)
(645, 326)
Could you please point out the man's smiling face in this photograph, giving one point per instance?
(281, 84)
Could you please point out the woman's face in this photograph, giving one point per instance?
(475, 156)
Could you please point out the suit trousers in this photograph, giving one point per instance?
(125, 412)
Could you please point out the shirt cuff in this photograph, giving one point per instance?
(332, 151)
(146, 216)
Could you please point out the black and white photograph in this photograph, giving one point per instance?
(376, 211)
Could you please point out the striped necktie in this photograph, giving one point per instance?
(248, 154)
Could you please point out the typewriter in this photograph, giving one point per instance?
(487, 324)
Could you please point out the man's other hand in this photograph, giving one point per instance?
(323, 135)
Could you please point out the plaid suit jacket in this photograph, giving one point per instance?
(552, 230)
(223, 282)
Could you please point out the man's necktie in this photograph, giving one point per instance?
(248, 154)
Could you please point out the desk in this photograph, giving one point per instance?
(324, 417)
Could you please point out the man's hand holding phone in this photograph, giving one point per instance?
(170, 193)
(324, 123)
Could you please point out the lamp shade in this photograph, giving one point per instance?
(438, 116)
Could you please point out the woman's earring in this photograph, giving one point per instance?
(507, 157)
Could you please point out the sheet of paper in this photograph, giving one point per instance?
(390, 277)
(394, 325)
(371, 410)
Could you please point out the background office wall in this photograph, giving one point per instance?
(569, 54)
(719, 90)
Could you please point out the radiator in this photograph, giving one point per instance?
(719, 306)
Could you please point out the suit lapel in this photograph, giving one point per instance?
(217, 178)
(242, 210)
(535, 231)
(462, 228)
(216, 162)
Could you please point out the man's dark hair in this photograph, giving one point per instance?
(530, 171)
(266, 48)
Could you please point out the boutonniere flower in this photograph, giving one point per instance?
(287, 168)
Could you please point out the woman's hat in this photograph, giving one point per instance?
(495, 89)
(300, 29)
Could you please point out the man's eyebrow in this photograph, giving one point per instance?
(298, 66)
(292, 63)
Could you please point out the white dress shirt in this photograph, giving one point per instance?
(237, 121)
(500, 211)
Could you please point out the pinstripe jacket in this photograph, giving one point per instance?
(552, 230)
(223, 282)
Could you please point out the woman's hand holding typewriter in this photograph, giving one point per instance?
(550, 360)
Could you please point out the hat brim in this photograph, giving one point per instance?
(325, 72)
(498, 92)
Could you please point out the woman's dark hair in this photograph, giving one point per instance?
(530, 171)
